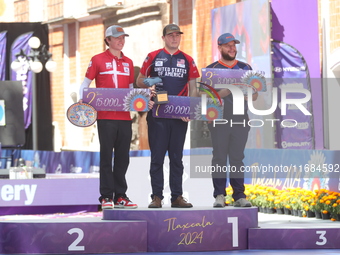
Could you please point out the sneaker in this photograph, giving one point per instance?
(107, 203)
(181, 202)
(156, 202)
(242, 202)
(125, 202)
(219, 201)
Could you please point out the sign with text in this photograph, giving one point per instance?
(215, 76)
(189, 107)
(107, 99)
(36, 192)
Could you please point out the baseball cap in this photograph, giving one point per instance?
(225, 38)
(115, 31)
(171, 28)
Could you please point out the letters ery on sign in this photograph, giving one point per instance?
(20, 192)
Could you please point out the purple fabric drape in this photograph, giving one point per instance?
(3, 43)
(291, 71)
(24, 74)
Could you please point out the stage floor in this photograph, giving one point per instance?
(242, 252)
(287, 221)
(264, 220)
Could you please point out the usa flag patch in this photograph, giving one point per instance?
(181, 63)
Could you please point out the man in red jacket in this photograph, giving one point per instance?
(112, 69)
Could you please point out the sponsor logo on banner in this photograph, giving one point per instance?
(294, 124)
(289, 69)
(286, 144)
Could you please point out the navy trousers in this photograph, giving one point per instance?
(114, 135)
(166, 135)
(228, 141)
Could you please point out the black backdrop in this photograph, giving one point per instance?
(44, 108)
(13, 133)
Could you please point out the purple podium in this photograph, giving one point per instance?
(194, 229)
(306, 236)
(68, 236)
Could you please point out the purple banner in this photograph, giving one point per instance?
(289, 28)
(189, 107)
(107, 99)
(23, 74)
(37, 192)
(3, 43)
(291, 71)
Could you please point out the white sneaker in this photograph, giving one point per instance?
(107, 203)
(242, 202)
(219, 201)
(125, 202)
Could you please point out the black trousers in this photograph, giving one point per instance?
(228, 141)
(114, 135)
(166, 135)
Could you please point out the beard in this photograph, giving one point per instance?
(227, 57)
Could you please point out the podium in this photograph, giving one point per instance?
(192, 229)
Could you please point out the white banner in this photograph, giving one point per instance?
(2, 113)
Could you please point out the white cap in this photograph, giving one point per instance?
(115, 31)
